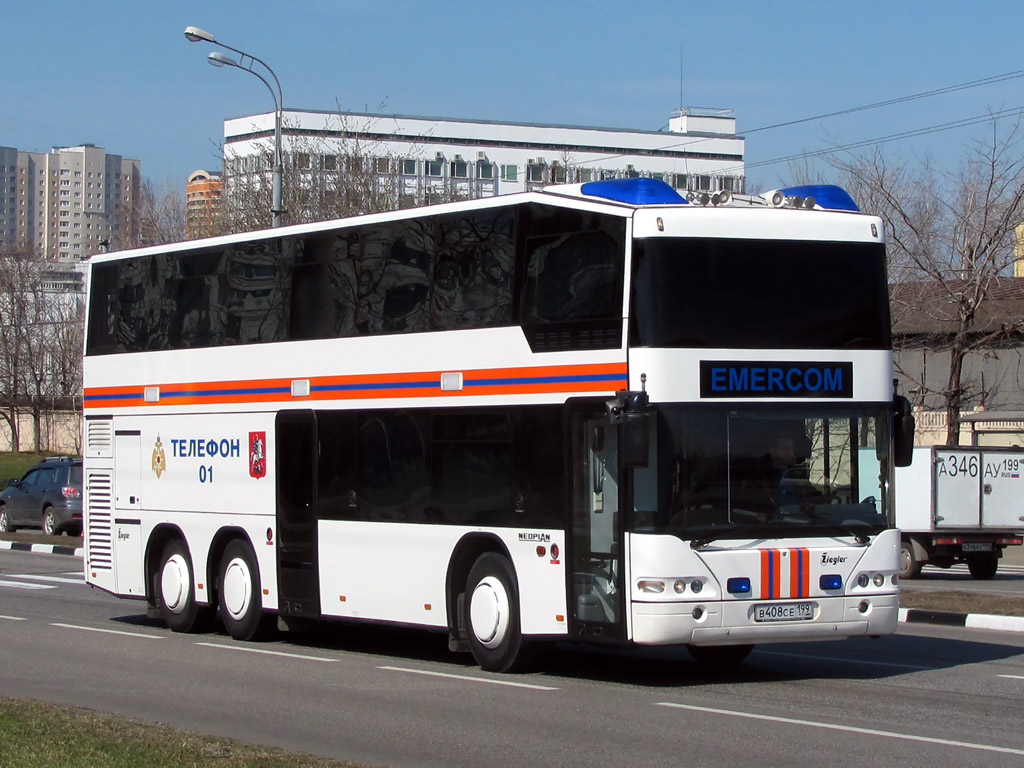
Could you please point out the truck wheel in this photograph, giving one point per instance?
(983, 567)
(910, 566)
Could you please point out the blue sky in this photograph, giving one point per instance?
(122, 75)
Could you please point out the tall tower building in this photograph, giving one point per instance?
(69, 203)
(202, 203)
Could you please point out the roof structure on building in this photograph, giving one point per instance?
(930, 307)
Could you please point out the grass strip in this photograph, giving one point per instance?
(35, 734)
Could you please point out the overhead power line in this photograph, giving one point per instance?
(876, 105)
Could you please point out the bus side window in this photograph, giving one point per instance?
(472, 286)
(103, 309)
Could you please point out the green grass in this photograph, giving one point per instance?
(38, 735)
(14, 465)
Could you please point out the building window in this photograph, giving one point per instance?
(509, 172)
(433, 168)
(460, 169)
(329, 162)
(485, 170)
(409, 167)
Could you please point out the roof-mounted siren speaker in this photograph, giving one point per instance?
(724, 197)
(775, 198)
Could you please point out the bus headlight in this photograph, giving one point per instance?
(653, 586)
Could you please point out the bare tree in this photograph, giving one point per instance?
(40, 344)
(322, 179)
(951, 243)
(161, 213)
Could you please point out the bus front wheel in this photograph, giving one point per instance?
(492, 614)
(176, 587)
(239, 593)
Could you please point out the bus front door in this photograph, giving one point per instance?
(298, 573)
(597, 565)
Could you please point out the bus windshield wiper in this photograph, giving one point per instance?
(861, 538)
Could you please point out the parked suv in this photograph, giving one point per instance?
(49, 496)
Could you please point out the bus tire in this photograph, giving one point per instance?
(175, 585)
(492, 614)
(239, 594)
(720, 655)
(983, 566)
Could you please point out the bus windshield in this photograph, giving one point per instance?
(767, 472)
(760, 294)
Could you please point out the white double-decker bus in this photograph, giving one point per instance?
(596, 413)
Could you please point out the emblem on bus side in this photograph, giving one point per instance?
(257, 454)
(159, 459)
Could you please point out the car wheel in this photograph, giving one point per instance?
(492, 616)
(174, 584)
(240, 595)
(49, 522)
(5, 522)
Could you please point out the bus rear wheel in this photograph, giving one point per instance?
(492, 615)
(176, 587)
(239, 594)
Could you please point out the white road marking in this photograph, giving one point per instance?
(844, 661)
(471, 679)
(264, 651)
(847, 728)
(35, 577)
(23, 585)
(108, 631)
(13, 618)
(1013, 677)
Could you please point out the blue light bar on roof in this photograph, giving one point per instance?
(826, 195)
(641, 191)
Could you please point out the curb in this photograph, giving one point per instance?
(969, 620)
(49, 549)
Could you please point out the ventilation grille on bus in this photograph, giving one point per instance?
(575, 338)
(99, 439)
(98, 509)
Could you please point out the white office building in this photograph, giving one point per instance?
(431, 159)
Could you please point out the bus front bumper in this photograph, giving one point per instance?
(734, 622)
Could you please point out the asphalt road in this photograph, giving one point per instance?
(925, 696)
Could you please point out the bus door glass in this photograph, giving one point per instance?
(597, 527)
(297, 565)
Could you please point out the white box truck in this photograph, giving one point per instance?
(959, 505)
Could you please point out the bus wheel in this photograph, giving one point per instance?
(239, 594)
(175, 586)
(720, 655)
(983, 566)
(492, 614)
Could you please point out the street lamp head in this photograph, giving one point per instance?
(195, 35)
(217, 59)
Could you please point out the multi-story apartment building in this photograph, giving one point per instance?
(69, 203)
(426, 159)
(202, 203)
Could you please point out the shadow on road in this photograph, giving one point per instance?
(661, 667)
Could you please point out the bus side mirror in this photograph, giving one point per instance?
(635, 447)
(902, 431)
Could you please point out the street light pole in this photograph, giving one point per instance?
(195, 35)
